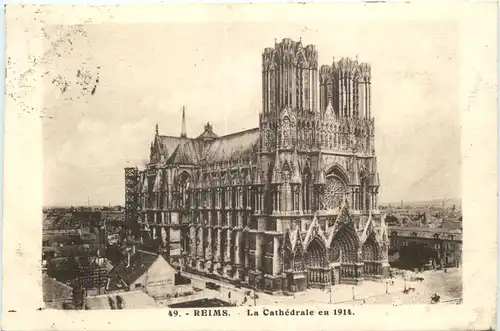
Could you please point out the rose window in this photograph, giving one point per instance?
(334, 192)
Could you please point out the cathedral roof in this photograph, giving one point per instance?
(207, 147)
(233, 146)
(208, 134)
(188, 151)
(168, 144)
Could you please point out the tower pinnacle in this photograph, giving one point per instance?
(183, 128)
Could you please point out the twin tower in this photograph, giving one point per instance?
(290, 79)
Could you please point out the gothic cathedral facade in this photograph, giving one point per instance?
(289, 205)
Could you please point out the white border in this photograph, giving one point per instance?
(23, 165)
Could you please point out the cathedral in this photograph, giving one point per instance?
(288, 205)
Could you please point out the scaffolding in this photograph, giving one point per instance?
(131, 198)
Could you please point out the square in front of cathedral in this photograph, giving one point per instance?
(229, 166)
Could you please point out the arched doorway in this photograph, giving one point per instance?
(348, 241)
(370, 254)
(316, 262)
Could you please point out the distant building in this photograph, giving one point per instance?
(88, 219)
(446, 243)
(87, 272)
(142, 270)
(93, 275)
(113, 219)
(55, 293)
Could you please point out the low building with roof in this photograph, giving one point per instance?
(89, 272)
(142, 270)
(446, 243)
(55, 293)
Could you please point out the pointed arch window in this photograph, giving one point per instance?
(370, 250)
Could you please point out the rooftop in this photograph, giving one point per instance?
(207, 147)
(55, 290)
(140, 262)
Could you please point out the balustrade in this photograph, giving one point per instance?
(371, 268)
(319, 276)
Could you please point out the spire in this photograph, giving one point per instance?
(320, 179)
(345, 213)
(183, 129)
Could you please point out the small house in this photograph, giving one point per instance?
(142, 270)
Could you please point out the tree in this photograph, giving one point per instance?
(391, 220)
(415, 255)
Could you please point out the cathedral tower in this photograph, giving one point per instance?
(346, 86)
(289, 77)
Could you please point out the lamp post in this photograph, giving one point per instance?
(353, 294)
(330, 291)
(386, 287)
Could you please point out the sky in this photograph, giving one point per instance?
(145, 73)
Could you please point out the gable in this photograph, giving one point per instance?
(139, 263)
(160, 272)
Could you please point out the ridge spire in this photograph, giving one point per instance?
(183, 127)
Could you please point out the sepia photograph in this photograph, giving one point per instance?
(262, 189)
(224, 163)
